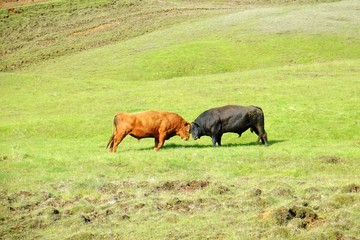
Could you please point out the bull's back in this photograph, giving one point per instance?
(232, 118)
(148, 123)
(157, 119)
(221, 113)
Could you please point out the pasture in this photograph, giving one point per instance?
(67, 68)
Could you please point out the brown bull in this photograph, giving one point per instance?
(149, 124)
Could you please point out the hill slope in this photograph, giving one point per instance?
(33, 33)
(248, 39)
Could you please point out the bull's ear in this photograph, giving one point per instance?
(195, 124)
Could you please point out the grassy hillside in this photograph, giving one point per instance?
(297, 60)
(33, 33)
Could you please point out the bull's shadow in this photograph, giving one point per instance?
(229, 145)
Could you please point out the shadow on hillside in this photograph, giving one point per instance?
(185, 145)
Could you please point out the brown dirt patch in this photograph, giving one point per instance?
(111, 188)
(330, 159)
(178, 205)
(222, 190)
(352, 188)
(266, 215)
(15, 197)
(180, 186)
(283, 192)
(301, 217)
(14, 3)
(108, 188)
(94, 29)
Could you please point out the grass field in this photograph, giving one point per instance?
(67, 68)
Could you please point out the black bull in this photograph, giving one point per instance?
(237, 119)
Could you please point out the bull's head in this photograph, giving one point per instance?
(195, 131)
(184, 132)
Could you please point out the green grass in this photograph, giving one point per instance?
(58, 181)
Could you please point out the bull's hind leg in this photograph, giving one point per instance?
(264, 139)
(118, 137)
(218, 140)
(260, 131)
(253, 129)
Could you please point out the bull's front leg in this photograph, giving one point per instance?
(156, 144)
(159, 142)
(216, 134)
(214, 140)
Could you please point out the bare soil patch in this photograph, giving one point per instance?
(114, 187)
(330, 159)
(297, 216)
(180, 186)
(352, 188)
(94, 29)
(14, 3)
(178, 205)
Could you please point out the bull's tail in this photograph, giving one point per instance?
(111, 140)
